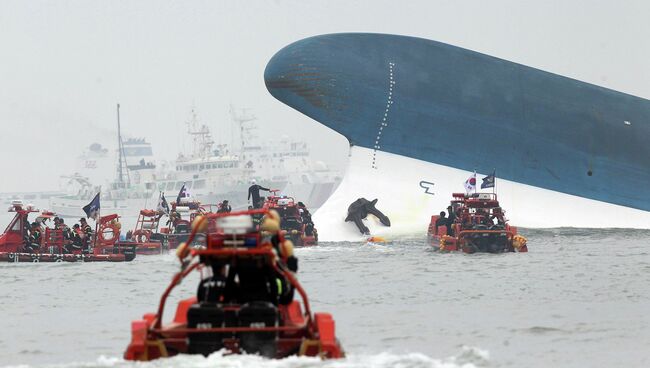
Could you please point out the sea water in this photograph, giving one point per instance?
(578, 298)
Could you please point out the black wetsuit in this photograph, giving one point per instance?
(254, 192)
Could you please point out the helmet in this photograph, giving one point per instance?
(253, 181)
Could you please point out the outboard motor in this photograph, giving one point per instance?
(205, 315)
(259, 314)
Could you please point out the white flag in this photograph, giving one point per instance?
(470, 183)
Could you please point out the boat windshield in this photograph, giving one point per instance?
(15, 224)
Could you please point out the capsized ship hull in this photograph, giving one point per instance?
(401, 99)
(401, 184)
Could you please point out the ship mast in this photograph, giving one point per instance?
(201, 138)
(122, 169)
(241, 119)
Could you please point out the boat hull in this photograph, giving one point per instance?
(410, 190)
(46, 257)
(463, 111)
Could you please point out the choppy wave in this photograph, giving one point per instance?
(470, 357)
(578, 298)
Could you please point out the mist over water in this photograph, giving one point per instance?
(578, 298)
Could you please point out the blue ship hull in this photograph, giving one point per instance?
(458, 108)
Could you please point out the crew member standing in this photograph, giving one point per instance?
(88, 232)
(254, 193)
(450, 219)
(34, 240)
(77, 242)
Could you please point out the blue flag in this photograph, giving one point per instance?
(92, 208)
(183, 193)
(488, 181)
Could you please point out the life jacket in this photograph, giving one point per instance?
(35, 236)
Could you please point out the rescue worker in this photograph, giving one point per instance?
(75, 236)
(87, 231)
(498, 214)
(441, 221)
(59, 224)
(224, 207)
(254, 193)
(285, 257)
(305, 217)
(34, 239)
(450, 219)
(271, 225)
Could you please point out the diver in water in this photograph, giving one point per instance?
(254, 193)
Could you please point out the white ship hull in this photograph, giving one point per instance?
(397, 183)
(73, 208)
(312, 194)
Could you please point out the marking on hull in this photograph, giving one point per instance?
(384, 121)
(426, 185)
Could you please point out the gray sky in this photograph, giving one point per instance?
(64, 65)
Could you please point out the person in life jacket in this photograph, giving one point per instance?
(85, 227)
(305, 217)
(87, 233)
(283, 249)
(59, 224)
(77, 242)
(34, 240)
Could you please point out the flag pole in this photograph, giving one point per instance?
(157, 209)
(99, 210)
(494, 187)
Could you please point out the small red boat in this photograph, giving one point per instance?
(183, 214)
(13, 242)
(233, 312)
(294, 223)
(150, 238)
(479, 225)
(145, 237)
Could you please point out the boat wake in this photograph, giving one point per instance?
(469, 357)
